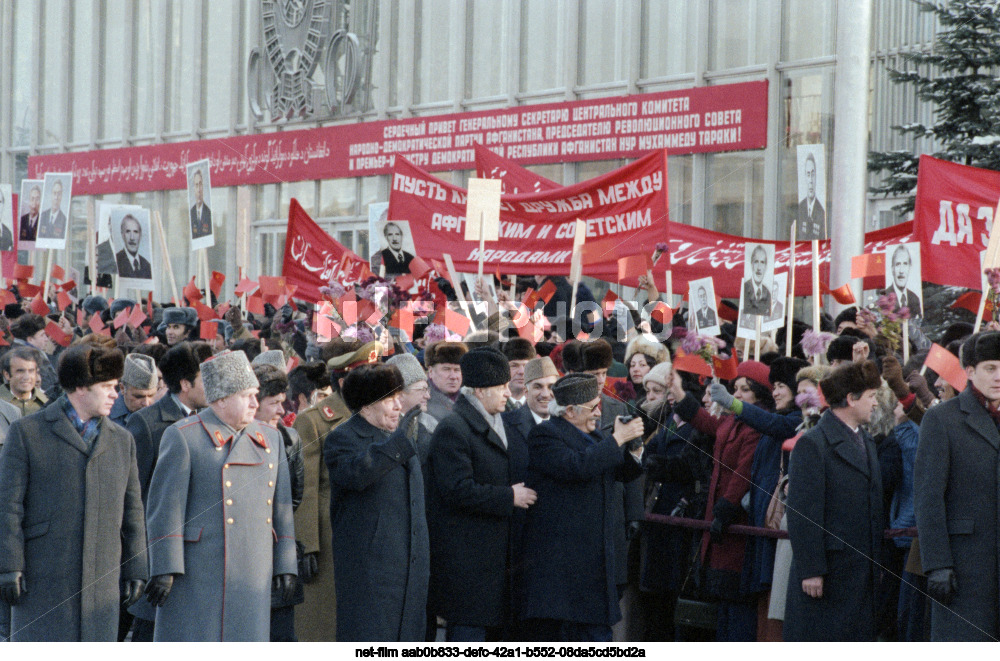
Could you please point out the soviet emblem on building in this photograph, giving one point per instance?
(315, 58)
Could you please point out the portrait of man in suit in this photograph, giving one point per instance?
(900, 268)
(29, 221)
(396, 260)
(201, 214)
(811, 222)
(705, 315)
(756, 293)
(6, 220)
(130, 263)
(52, 222)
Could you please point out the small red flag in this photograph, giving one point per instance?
(662, 312)
(215, 282)
(209, 330)
(692, 364)
(547, 291)
(97, 325)
(404, 282)
(725, 369)
(121, 318)
(7, 297)
(39, 306)
(608, 303)
(205, 313)
(419, 268)
(403, 320)
(530, 298)
(137, 317)
(63, 300)
(23, 271)
(58, 335)
(68, 285)
(245, 286)
(456, 322)
(866, 265)
(255, 304)
(28, 290)
(968, 301)
(80, 314)
(633, 266)
(842, 295)
(947, 366)
(442, 270)
(191, 292)
(58, 273)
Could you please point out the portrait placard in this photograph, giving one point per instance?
(810, 220)
(902, 277)
(53, 222)
(199, 188)
(29, 209)
(131, 239)
(702, 307)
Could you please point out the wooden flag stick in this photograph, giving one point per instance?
(670, 287)
(205, 276)
(482, 243)
(513, 286)
(166, 255)
(906, 341)
(789, 308)
(817, 302)
(91, 247)
(46, 275)
(756, 344)
(982, 308)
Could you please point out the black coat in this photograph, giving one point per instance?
(569, 550)
(147, 426)
(956, 498)
(628, 494)
(470, 513)
(835, 526)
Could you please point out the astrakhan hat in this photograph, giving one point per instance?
(575, 388)
(226, 373)
(140, 372)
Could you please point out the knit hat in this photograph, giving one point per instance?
(409, 367)
(444, 352)
(120, 304)
(538, 368)
(94, 304)
(370, 383)
(851, 378)
(597, 355)
(186, 316)
(987, 347)
(755, 371)
(841, 348)
(518, 348)
(484, 367)
(785, 370)
(271, 357)
(83, 365)
(647, 346)
(226, 373)
(575, 389)
(140, 372)
(367, 353)
(659, 373)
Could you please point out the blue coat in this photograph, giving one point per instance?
(569, 549)
(220, 516)
(381, 557)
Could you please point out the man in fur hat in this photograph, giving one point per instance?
(178, 325)
(138, 387)
(835, 517)
(956, 497)
(72, 540)
(220, 516)
(518, 352)
(442, 362)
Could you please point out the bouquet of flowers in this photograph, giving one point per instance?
(704, 346)
(992, 308)
(887, 319)
(814, 343)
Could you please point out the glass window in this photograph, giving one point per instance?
(338, 197)
(369, 192)
(267, 202)
(486, 59)
(149, 47)
(735, 195)
(177, 228)
(25, 105)
(394, 55)
(113, 106)
(83, 80)
(222, 221)
(666, 48)
(680, 189)
(542, 29)
(601, 42)
(55, 15)
(809, 29)
(738, 32)
(303, 191)
(221, 70)
(590, 169)
(362, 249)
(431, 51)
(346, 237)
(551, 171)
(182, 77)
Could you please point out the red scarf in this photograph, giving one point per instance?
(981, 398)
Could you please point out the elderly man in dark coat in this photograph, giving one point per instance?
(956, 493)
(72, 541)
(835, 518)
(381, 559)
(220, 516)
(570, 592)
(475, 485)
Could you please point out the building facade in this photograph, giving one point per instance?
(86, 75)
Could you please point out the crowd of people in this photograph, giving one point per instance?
(263, 482)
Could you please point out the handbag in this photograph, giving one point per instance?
(693, 609)
(776, 508)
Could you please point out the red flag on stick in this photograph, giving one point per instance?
(39, 306)
(968, 301)
(215, 282)
(121, 318)
(866, 265)
(633, 266)
(58, 335)
(725, 369)
(842, 295)
(547, 291)
(418, 267)
(63, 300)
(191, 291)
(662, 312)
(23, 272)
(209, 330)
(58, 273)
(608, 303)
(693, 364)
(947, 366)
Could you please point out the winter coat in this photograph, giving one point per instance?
(470, 514)
(381, 555)
(569, 550)
(835, 526)
(220, 519)
(72, 523)
(629, 493)
(439, 406)
(956, 498)
(296, 483)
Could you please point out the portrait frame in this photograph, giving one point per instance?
(694, 306)
(54, 226)
(200, 240)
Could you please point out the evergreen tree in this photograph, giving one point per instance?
(959, 78)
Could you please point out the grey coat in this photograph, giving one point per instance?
(381, 557)
(220, 520)
(72, 522)
(8, 414)
(956, 497)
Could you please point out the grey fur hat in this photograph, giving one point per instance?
(95, 304)
(270, 357)
(575, 388)
(409, 367)
(227, 373)
(186, 316)
(140, 372)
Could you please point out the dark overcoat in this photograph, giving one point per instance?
(220, 519)
(470, 508)
(628, 494)
(381, 556)
(569, 550)
(835, 527)
(956, 490)
(72, 523)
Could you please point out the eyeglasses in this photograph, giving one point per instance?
(419, 389)
(590, 409)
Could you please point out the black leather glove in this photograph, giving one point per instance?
(131, 591)
(724, 513)
(285, 585)
(159, 588)
(942, 584)
(12, 587)
(309, 567)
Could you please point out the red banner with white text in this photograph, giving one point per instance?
(312, 256)
(952, 220)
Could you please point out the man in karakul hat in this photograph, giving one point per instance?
(475, 497)
(220, 516)
(316, 617)
(137, 387)
(178, 324)
(956, 496)
(415, 394)
(70, 555)
(380, 547)
(835, 518)
(570, 591)
(442, 360)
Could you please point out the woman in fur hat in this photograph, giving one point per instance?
(641, 355)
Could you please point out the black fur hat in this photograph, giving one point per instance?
(444, 352)
(852, 378)
(597, 355)
(572, 356)
(370, 383)
(83, 365)
(784, 370)
(987, 347)
(518, 348)
(485, 367)
(841, 348)
(27, 325)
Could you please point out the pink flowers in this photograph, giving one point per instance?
(815, 343)
(703, 345)
(808, 400)
(889, 307)
(993, 277)
(659, 249)
(438, 333)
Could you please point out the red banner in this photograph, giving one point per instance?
(695, 120)
(625, 212)
(311, 255)
(952, 220)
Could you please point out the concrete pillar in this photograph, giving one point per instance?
(850, 141)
